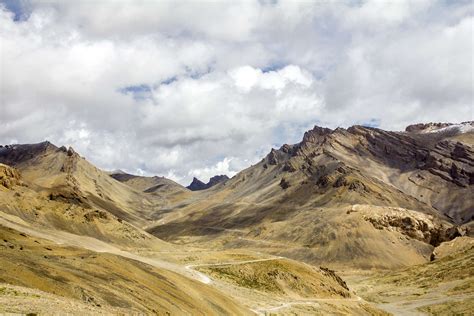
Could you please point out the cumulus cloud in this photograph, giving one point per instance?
(187, 89)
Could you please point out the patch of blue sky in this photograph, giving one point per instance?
(274, 67)
(371, 123)
(268, 2)
(21, 9)
(291, 133)
(196, 74)
(138, 92)
(169, 80)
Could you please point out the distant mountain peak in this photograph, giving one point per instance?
(197, 185)
(17, 153)
(116, 171)
(431, 127)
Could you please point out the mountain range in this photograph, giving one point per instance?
(280, 236)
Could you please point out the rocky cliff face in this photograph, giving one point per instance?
(433, 163)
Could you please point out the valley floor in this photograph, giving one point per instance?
(410, 300)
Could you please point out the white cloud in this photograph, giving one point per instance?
(221, 167)
(217, 84)
(245, 77)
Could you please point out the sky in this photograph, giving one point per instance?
(199, 88)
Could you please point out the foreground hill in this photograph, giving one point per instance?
(104, 283)
(361, 196)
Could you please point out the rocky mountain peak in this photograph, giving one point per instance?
(217, 179)
(315, 134)
(196, 185)
(17, 153)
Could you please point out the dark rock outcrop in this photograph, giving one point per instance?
(122, 177)
(421, 228)
(197, 185)
(284, 184)
(16, 154)
(217, 179)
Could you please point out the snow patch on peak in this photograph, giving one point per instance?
(461, 128)
(464, 127)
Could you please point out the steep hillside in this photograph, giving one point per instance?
(61, 174)
(435, 167)
(98, 283)
(55, 188)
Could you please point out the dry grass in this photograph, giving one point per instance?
(101, 279)
(280, 277)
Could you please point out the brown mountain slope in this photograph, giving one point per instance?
(299, 200)
(61, 174)
(109, 284)
(118, 280)
(59, 190)
(435, 168)
(160, 188)
(147, 184)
